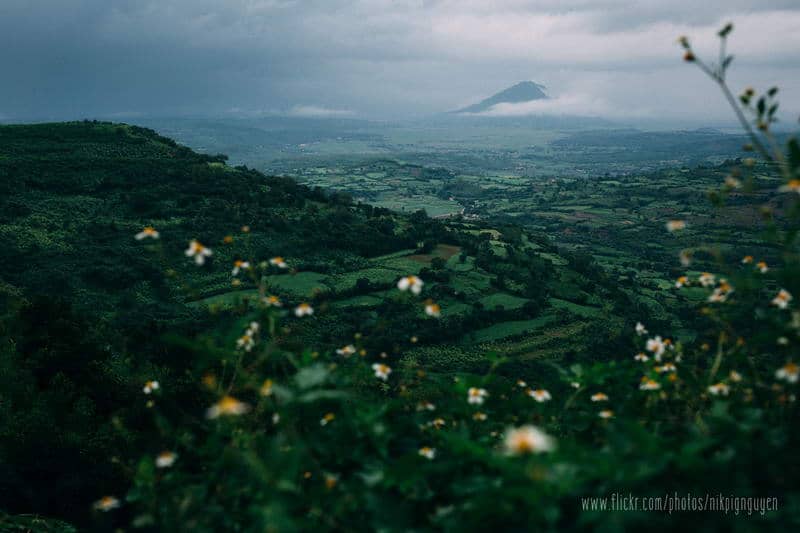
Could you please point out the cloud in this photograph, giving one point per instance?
(378, 57)
(317, 111)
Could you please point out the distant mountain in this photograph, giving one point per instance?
(524, 91)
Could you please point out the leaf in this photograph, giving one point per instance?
(727, 62)
(725, 30)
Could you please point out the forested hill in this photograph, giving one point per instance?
(89, 312)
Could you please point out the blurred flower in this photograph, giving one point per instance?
(272, 301)
(606, 413)
(198, 251)
(735, 376)
(346, 351)
(649, 384)
(732, 182)
(540, 395)
(685, 258)
(150, 387)
(427, 452)
(719, 389)
(228, 405)
(762, 267)
(238, 266)
(521, 383)
(106, 503)
(245, 342)
(788, 372)
(476, 396)
(575, 385)
(303, 310)
(425, 406)
(707, 279)
(438, 423)
(266, 388)
(792, 186)
(676, 225)
(782, 299)
(479, 416)
(746, 260)
(166, 459)
(667, 367)
(278, 262)
(640, 329)
(721, 293)
(331, 481)
(412, 283)
(681, 281)
(433, 309)
(527, 439)
(381, 371)
(641, 357)
(148, 232)
(327, 419)
(599, 397)
(245, 229)
(656, 346)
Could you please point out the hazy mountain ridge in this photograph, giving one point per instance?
(524, 91)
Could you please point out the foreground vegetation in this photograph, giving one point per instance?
(192, 346)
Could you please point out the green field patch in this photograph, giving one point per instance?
(363, 300)
(378, 275)
(553, 258)
(506, 301)
(456, 265)
(305, 284)
(576, 309)
(512, 328)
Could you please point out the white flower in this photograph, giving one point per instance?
(476, 396)
(649, 384)
(303, 309)
(521, 383)
(272, 301)
(667, 367)
(147, 232)
(782, 299)
(106, 503)
(427, 452)
(198, 251)
(681, 281)
(640, 329)
(540, 395)
(527, 439)
(707, 279)
(238, 266)
(166, 459)
(675, 225)
(762, 267)
(346, 351)
(381, 371)
(433, 309)
(719, 389)
(685, 258)
(246, 342)
(642, 358)
(656, 346)
(575, 385)
(228, 405)
(412, 283)
(599, 397)
(735, 376)
(792, 186)
(278, 262)
(150, 387)
(789, 373)
(480, 417)
(732, 183)
(425, 406)
(606, 413)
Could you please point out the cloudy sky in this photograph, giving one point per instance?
(382, 58)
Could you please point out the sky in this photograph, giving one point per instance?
(121, 59)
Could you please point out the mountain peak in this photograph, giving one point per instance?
(524, 91)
